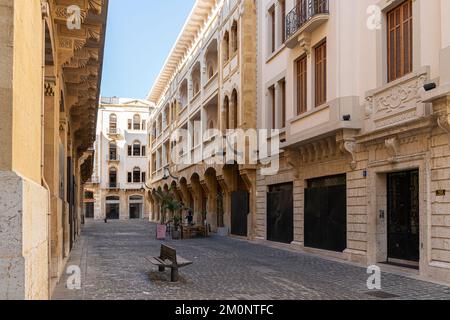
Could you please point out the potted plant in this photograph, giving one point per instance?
(169, 203)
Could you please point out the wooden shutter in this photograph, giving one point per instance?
(400, 40)
(321, 74)
(302, 85)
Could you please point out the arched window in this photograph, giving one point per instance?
(136, 175)
(136, 122)
(234, 110)
(226, 47)
(226, 112)
(113, 178)
(112, 123)
(136, 149)
(234, 37)
(112, 151)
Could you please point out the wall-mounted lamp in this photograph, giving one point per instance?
(430, 86)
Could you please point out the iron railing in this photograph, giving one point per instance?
(112, 157)
(302, 13)
(113, 185)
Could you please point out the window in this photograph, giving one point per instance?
(143, 124)
(272, 29)
(301, 85)
(283, 102)
(226, 47)
(143, 177)
(136, 175)
(272, 107)
(136, 149)
(136, 122)
(321, 74)
(234, 37)
(400, 41)
(130, 177)
(226, 108)
(234, 110)
(143, 152)
(130, 151)
(112, 151)
(283, 20)
(113, 177)
(112, 123)
(130, 124)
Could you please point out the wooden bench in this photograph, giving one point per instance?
(168, 259)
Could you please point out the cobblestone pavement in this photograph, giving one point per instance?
(112, 260)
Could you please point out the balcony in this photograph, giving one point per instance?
(113, 186)
(113, 132)
(305, 17)
(113, 158)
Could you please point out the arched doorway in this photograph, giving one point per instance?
(136, 204)
(112, 208)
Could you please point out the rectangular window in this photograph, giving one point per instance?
(321, 74)
(400, 41)
(129, 151)
(283, 103)
(130, 124)
(130, 180)
(283, 20)
(143, 151)
(273, 108)
(302, 92)
(143, 177)
(272, 28)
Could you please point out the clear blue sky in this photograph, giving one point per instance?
(140, 35)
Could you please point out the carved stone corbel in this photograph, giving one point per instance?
(304, 41)
(293, 158)
(349, 146)
(443, 122)
(393, 147)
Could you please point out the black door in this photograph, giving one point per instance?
(280, 213)
(135, 210)
(239, 213)
(112, 211)
(326, 213)
(403, 216)
(89, 210)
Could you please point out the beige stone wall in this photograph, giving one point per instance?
(6, 75)
(27, 78)
(24, 266)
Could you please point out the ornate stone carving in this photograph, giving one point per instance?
(349, 146)
(293, 158)
(443, 122)
(49, 89)
(369, 107)
(393, 148)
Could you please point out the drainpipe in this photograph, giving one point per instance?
(45, 14)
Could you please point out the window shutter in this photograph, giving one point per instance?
(143, 151)
(129, 151)
(130, 124)
(143, 177)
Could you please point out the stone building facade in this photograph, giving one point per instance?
(50, 72)
(208, 83)
(120, 162)
(365, 148)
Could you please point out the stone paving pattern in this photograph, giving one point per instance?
(112, 258)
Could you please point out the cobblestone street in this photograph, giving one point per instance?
(113, 264)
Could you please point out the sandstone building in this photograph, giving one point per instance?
(365, 167)
(207, 83)
(116, 190)
(51, 56)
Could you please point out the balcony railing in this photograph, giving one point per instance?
(303, 13)
(113, 131)
(113, 158)
(113, 186)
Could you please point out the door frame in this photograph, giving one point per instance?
(377, 195)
